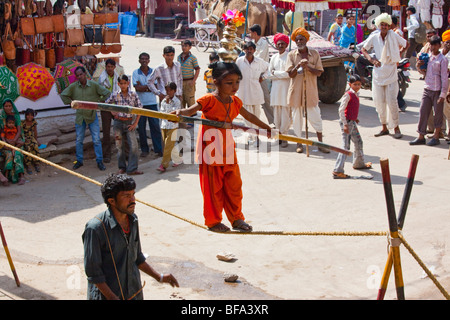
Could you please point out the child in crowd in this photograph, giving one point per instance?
(220, 178)
(29, 126)
(348, 119)
(11, 134)
(210, 86)
(169, 129)
(125, 127)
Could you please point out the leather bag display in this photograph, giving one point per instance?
(44, 24)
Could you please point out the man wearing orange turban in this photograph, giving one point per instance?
(446, 36)
(300, 31)
(304, 66)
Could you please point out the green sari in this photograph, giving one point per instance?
(13, 163)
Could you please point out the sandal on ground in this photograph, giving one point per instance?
(134, 173)
(6, 183)
(340, 175)
(176, 164)
(367, 165)
(161, 168)
(220, 227)
(382, 133)
(241, 225)
(21, 181)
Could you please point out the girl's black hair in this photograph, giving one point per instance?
(116, 183)
(221, 69)
(30, 111)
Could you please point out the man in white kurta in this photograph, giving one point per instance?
(280, 86)
(385, 88)
(262, 52)
(253, 70)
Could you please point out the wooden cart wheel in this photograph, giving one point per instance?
(202, 39)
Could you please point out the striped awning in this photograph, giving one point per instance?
(316, 5)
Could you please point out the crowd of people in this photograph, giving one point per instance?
(284, 86)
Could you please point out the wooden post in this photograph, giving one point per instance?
(400, 222)
(11, 264)
(408, 188)
(394, 251)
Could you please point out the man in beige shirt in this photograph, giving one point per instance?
(304, 66)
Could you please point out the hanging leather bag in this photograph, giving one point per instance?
(74, 37)
(112, 17)
(82, 50)
(58, 23)
(100, 18)
(59, 51)
(27, 26)
(8, 46)
(44, 24)
(111, 40)
(93, 34)
(86, 19)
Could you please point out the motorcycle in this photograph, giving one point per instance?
(402, 72)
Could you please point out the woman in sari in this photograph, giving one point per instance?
(13, 166)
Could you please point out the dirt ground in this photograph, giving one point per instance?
(44, 219)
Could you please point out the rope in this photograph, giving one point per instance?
(279, 233)
(424, 267)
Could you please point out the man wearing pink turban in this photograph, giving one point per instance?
(280, 86)
(280, 37)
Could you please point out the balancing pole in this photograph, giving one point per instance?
(401, 220)
(395, 241)
(11, 264)
(274, 134)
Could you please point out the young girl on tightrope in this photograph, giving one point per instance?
(220, 178)
(29, 126)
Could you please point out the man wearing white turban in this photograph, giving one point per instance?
(386, 45)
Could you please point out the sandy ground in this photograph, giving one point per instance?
(283, 191)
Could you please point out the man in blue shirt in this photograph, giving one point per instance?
(113, 257)
(148, 99)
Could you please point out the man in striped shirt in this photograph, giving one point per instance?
(190, 71)
(162, 75)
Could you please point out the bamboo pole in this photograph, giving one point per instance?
(393, 230)
(400, 222)
(217, 124)
(8, 255)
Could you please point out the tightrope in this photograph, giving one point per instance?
(279, 233)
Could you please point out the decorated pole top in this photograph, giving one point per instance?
(232, 20)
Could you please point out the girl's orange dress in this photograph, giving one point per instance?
(220, 178)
